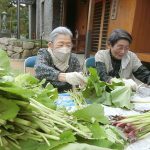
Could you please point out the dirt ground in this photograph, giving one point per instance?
(18, 65)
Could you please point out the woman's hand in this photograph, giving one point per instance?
(75, 78)
(131, 83)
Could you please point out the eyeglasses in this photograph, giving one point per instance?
(62, 44)
(119, 48)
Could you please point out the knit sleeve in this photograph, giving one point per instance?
(44, 68)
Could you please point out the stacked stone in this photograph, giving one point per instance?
(19, 49)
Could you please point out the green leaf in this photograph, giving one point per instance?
(8, 109)
(84, 128)
(103, 142)
(106, 144)
(92, 112)
(117, 82)
(10, 90)
(120, 135)
(114, 136)
(98, 131)
(46, 95)
(53, 92)
(32, 145)
(4, 63)
(45, 100)
(116, 93)
(111, 135)
(121, 97)
(107, 98)
(94, 90)
(26, 80)
(93, 74)
(65, 137)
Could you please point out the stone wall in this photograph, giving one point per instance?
(20, 49)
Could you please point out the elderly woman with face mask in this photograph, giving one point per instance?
(57, 64)
(120, 62)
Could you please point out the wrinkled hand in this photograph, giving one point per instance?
(75, 78)
(131, 83)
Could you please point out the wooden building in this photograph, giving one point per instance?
(91, 22)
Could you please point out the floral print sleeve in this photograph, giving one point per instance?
(44, 67)
(74, 64)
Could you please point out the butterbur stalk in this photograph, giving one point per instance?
(78, 98)
(54, 117)
(22, 121)
(2, 122)
(37, 122)
(135, 127)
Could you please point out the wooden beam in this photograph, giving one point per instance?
(145, 57)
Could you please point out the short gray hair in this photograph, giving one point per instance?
(59, 30)
(117, 35)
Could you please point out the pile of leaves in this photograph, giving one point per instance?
(112, 94)
(29, 120)
(27, 124)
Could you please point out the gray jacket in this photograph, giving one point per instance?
(130, 67)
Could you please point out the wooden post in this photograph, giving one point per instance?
(101, 25)
(18, 19)
(88, 32)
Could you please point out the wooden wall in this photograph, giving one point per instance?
(82, 16)
(141, 27)
(125, 16)
(81, 23)
(134, 16)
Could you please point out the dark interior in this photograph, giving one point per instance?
(71, 15)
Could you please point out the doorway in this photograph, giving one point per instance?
(71, 15)
(75, 18)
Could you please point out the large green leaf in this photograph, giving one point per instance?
(105, 143)
(4, 63)
(91, 113)
(121, 97)
(114, 135)
(98, 131)
(46, 95)
(107, 98)
(30, 145)
(65, 137)
(8, 109)
(26, 80)
(10, 90)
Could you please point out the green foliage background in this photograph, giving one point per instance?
(11, 9)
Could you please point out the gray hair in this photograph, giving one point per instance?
(59, 30)
(117, 35)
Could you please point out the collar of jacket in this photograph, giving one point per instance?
(124, 61)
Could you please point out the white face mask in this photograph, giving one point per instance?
(62, 53)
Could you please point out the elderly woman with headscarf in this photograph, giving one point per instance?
(57, 64)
